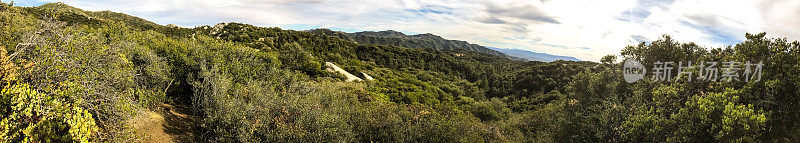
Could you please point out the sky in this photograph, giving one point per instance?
(585, 29)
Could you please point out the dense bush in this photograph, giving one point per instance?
(86, 73)
(603, 108)
(28, 115)
(35, 116)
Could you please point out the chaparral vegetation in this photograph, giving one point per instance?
(73, 75)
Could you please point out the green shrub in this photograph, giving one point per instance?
(493, 109)
(38, 117)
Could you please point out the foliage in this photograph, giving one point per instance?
(721, 116)
(35, 117)
(8, 71)
(87, 72)
(29, 115)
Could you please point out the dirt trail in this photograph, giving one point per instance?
(171, 124)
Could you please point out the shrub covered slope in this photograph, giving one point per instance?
(69, 74)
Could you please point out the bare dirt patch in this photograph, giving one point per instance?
(170, 124)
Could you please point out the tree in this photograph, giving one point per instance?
(608, 59)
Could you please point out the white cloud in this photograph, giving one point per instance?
(586, 29)
(781, 18)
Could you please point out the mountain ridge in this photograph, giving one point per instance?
(427, 40)
(534, 56)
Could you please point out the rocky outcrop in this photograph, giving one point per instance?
(217, 28)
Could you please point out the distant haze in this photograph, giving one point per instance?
(533, 56)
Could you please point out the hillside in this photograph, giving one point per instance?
(533, 56)
(69, 75)
(395, 38)
(251, 83)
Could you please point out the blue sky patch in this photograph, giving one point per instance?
(717, 33)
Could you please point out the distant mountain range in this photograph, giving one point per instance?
(391, 37)
(395, 38)
(533, 56)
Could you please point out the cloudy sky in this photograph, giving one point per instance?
(586, 29)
